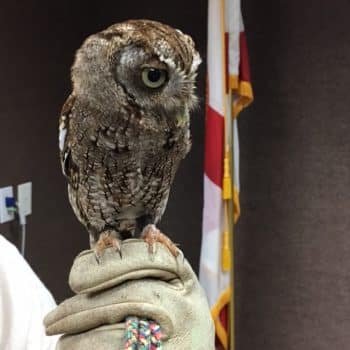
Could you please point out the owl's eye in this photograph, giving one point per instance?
(154, 77)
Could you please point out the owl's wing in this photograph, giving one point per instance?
(68, 168)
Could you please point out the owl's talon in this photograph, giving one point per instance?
(107, 239)
(117, 246)
(98, 258)
(151, 235)
(151, 248)
(120, 253)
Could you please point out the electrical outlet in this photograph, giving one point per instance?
(5, 215)
(24, 199)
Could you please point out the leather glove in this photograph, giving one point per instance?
(148, 285)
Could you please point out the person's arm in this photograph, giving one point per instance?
(24, 301)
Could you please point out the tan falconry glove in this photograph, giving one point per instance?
(154, 286)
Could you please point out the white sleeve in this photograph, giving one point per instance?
(24, 302)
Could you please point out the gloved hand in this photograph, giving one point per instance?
(153, 286)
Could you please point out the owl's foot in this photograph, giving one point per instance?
(106, 240)
(151, 235)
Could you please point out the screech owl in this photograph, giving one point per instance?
(125, 128)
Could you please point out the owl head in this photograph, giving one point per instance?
(142, 63)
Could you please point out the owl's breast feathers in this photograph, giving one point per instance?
(119, 166)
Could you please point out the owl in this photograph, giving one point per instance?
(124, 129)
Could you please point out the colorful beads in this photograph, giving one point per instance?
(142, 334)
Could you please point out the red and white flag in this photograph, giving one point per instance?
(229, 91)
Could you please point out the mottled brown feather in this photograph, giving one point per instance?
(121, 143)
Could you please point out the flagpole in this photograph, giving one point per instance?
(228, 186)
(229, 217)
(232, 338)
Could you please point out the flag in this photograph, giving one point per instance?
(228, 92)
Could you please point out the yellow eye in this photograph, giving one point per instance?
(154, 77)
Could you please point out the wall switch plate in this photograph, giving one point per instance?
(24, 199)
(5, 215)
